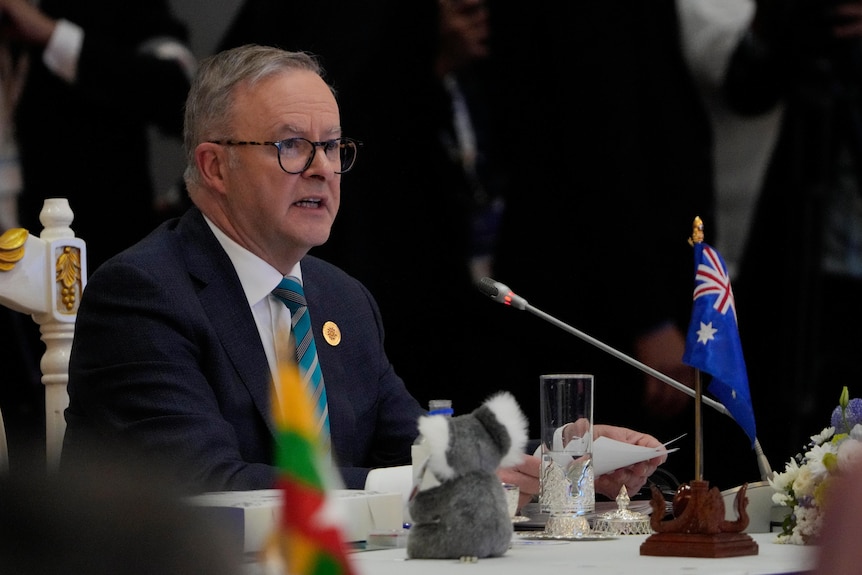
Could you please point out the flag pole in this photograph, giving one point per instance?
(762, 463)
(698, 429)
(699, 527)
(696, 238)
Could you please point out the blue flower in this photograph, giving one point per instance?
(847, 414)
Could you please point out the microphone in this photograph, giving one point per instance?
(501, 293)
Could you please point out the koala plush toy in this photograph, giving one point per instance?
(465, 515)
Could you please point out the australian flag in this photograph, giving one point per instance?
(712, 344)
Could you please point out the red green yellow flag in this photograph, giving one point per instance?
(307, 541)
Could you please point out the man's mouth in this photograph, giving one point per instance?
(309, 203)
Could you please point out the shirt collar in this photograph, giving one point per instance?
(257, 277)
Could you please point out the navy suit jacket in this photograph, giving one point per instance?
(167, 359)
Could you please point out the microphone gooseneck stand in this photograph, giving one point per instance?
(501, 293)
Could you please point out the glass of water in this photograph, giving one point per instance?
(567, 482)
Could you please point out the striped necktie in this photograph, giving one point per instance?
(290, 292)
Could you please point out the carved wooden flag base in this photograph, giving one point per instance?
(698, 528)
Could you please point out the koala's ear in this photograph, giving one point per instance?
(435, 431)
(509, 415)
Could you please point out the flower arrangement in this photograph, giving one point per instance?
(804, 484)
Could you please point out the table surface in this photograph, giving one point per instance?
(620, 556)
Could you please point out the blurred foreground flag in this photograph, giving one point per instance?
(308, 539)
(712, 344)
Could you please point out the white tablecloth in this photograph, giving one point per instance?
(619, 556)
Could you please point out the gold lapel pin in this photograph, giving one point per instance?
(331, 333)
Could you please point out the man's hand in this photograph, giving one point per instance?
(634, 476)
(662, 349)
(526, 474)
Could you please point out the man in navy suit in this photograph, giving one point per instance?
(168, 355)
(177, 338)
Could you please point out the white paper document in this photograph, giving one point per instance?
(610, 454)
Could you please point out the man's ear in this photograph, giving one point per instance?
(212, 160)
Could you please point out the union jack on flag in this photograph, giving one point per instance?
(713, 344)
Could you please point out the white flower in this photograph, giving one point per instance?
(808, 522)
(783, 481)
(804, 484)
(814, 459)
(823, 436)
(783, 499)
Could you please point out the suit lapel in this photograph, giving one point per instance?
(218, 282)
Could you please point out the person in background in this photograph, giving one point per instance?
(13, 67)
(100, 75)
(464, 49)
(742, 144)
(194, 331)
(710, 31)
(605, 180)
(801, 268)
(21, 395)
(91, 80)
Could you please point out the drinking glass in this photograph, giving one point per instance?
(567, 492)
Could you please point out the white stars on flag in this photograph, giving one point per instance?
(706, 333)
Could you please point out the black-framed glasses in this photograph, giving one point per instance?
(296, 154)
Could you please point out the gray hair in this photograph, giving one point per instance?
(209, 106)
